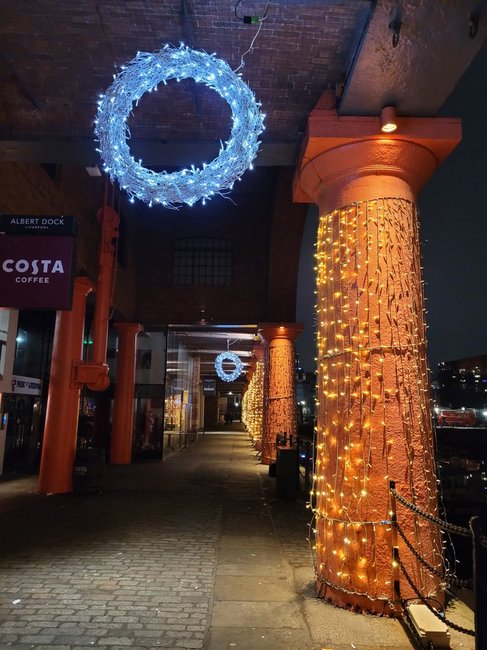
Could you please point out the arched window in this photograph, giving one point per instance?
(202, 261)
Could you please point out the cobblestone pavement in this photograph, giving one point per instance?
(131, 567)
(194, 552)
(135, 565)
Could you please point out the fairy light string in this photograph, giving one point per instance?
(252, 404)
(144, 74)
(228, 375)
(373, 417)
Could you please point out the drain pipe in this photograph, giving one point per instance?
(69, 373)
(94, 373)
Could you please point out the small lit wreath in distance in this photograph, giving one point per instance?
(143, 74)
(228, 376)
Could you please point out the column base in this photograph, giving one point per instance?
(357, 602)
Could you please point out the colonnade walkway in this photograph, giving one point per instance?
(194, 552)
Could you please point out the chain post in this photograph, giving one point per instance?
(395, 547)
(479, 557)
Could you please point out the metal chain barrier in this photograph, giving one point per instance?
(454, 626)
(449, 579)
(444, 525)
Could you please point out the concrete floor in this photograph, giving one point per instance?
(196, 552)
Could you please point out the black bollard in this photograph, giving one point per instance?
(287, 472)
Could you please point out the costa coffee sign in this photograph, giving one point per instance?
(33, 270)
(36, 272)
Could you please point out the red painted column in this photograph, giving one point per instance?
(123, 407)
(374, 423)
(109, 222)
(279, 385)
(59, 444)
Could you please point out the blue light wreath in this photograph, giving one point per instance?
(143, 74)
(228, 376)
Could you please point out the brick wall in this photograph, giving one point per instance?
(285, 246)
(260, 220)
(264, 271)
(67, 190)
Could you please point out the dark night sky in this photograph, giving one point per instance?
(305, 304)
(453, 227)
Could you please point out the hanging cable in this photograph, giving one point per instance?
(252, 20)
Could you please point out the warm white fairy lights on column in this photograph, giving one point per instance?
(253, 404)
(374, 423)
(144, 74)
(280, 417)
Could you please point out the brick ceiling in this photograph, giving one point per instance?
(56, 57)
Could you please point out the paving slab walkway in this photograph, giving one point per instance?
(194, 552)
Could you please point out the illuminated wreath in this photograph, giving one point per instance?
(228, 376)
(143, 74)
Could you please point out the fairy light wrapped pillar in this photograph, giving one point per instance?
(373, 413)
(279, 385)
(252, 406)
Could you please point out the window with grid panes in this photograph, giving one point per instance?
(202, 261)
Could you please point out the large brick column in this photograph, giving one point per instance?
(374, 423)
(279, 385)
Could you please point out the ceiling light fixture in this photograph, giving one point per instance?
(388, 119)
(93, 170)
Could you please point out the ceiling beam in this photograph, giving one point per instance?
(82, 151)
(412, 55)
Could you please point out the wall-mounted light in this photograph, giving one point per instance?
(388, 119)
(93, 170)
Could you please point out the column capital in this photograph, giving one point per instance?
(289, 331)
(128, 328)
(83, 285)
(339, 153)
(258, 352)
